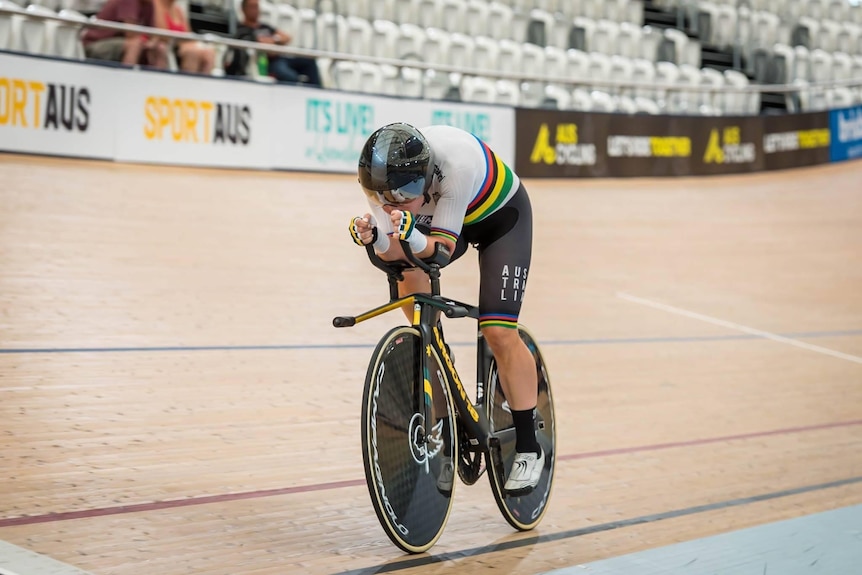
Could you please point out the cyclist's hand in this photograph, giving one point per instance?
(403, 224)
(363, 230)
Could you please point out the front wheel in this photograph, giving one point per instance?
(408, 426)
(526, 511)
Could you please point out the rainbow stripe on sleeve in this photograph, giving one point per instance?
(500, 320)
(495, 189)
(440, 232)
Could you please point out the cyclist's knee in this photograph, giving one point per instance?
(500, 338)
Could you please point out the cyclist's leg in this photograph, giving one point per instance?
(505, 246)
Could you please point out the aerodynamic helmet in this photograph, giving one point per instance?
(396, 165)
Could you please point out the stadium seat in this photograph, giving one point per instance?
(666, 74)
(532, 64)
(848, 38)
(439, 85)
(541, 28)
(643, 71)
(605, 37)
(593, 9)
(715, 102)
(739, 103)
(600, 66)
(460, 52)
(404, 11)
(409, 42)
(635, 13)
(842, 67)
(782, 66)
(581, 100)
(650, 40)
(686, 101)
(556, 63)
(370, 78)
(452, 14)
(330, 32)
(286, 19)
(628, 40)
(345, 75)
(602, 101)
(646, 106)
(10, 26)
(485, 51)
(384, 37)
(577, 65)
(801, 64)
(625, 105)
(36, 35)
(581, 34)
(821, 66)
(476, 18)
(478, 89)
(357, 36)
(499, 20)
(67, 37)
(620, 69)
(355, 8)
(409, 82)
(436, 46)
(306, 27)
(557, 98)
(508, 92)
(570, 9)
(615, 10)
(381, 10)
(427, 13)
(829, 33)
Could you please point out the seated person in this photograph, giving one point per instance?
(282, 68)
(192, 56)
(127, 47)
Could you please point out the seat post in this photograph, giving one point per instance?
(434, 274)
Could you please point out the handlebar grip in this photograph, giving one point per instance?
(344, 321)
(456, 311)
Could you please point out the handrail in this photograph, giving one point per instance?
(398, 63)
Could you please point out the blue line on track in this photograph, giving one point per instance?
(293, 347)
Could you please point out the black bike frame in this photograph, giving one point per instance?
(426, 310)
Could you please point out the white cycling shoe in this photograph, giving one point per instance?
(525, 474)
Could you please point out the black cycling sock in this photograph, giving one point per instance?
(525, 431)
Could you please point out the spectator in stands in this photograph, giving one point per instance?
(129, 48)
(282, 68)
(192, 56)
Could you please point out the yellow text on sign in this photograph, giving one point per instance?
(184, 120)
(714, 149)
(17, 98)
(544, 151)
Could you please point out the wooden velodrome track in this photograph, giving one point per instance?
(174, 400)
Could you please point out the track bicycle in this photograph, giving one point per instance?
(417, 418)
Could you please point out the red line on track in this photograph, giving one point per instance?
(221, 498)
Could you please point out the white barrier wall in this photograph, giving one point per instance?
(46, 108)
(82, 110)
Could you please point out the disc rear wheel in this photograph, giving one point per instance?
(522, 512)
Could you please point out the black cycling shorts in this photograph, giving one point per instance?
(505, 241)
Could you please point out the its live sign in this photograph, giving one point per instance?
(339, 117)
